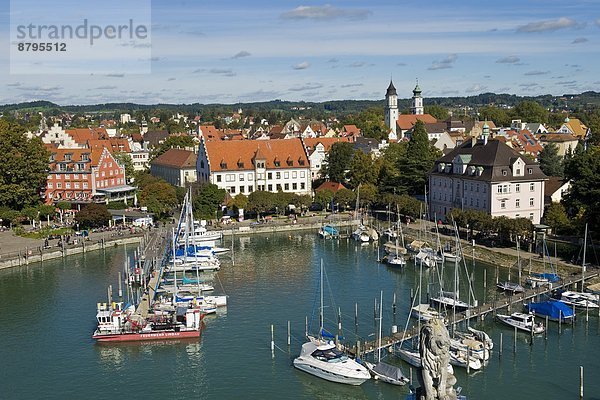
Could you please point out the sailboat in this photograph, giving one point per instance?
(509, 286)
(397, 259)
(382, 371)
(321, 357)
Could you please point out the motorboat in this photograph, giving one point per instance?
(412, 357)
(396, 260)
(553, 309)
(451, 257)
(324, 360)
(361, 235)
(521, 321)
(450, 300)
(425, 312)
(478, 335)
(473, 347)
(328, 231)
(459, 358)
(425, 258)
(577, 299)
(510, 287)
(386, 373)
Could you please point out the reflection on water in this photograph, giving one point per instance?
(47, 317)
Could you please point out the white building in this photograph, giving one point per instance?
(126, 118)
(244, 166)
(391, 108)
(317, 150)
(176, 166)
(417, 102)
(488, 176)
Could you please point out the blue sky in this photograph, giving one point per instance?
(243, 51)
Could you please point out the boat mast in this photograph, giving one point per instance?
(321, 307)
(379, 335)
(174, 269)
(583, 263)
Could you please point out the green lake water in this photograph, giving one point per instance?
(47, 316)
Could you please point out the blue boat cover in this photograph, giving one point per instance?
(553, 309)
(548, 276)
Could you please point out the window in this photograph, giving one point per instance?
(294, 186)
(502, 203)
(531, 187)
(278, 175)
(530, 171)
(477, 203)
(85, 185)
(517, 203)
(75, 176)
(270, 175)
(471, 186)
(302, 186)
(68, 185)
(286, 186)
(301, 174)
(286, 175)
(232, 189)
(477, 188)
(241, 177)
(499, 189)
(50, 185)
(518, 171)
(103, 174)
(58, 185)
(531, 216)
(250, 189)
(218, 178)
(531, 202)
(68, 157)
(250, 176)
(294, 174)
(76, 185)
(67, 176)
(270, 188)
(241, 189)
(518, 188)
(503, 172)
(278, 187)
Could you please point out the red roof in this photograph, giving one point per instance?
(235, 155)
(407, 121)
(331, 186)
(311, 143)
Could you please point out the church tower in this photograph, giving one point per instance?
(417, 101)
(391, 107)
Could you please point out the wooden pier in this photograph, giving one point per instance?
(152, 254)
(505, 301)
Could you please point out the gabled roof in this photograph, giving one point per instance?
(331, 186)
(495, 158)
(556, 137)
(224, 155)
(82, 135)
(112, 144)
(59, 156)
(311, 143)
(553, 184)
(351, 130)
(407, 121)
(176, 158)
(155, 138)
(577, 127)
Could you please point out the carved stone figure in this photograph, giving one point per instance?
(436, 382)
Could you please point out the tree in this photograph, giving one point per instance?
(362, 169)
(551, 163)
(260, 202)
(345, 198)
(159, 197)
(583, 170)
(531, 111)
(389, 171)
(498, 115)
(125, 160)
(209, 199)
(370, 123)
(23, 167)
(419, 160)
(338, 161)
(324, 197)
(368, 195)
(93, 216)
(438, 112)
(556, 218)
(239, 202)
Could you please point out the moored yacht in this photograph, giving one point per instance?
(524, 322)
(324, 360)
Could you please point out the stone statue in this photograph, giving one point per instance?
(436, 382)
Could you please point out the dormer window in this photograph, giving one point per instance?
(504, 173)
(52, 157)
(276, 162)
(471, 170)
(68, 157)
(240, 163)
(289, 161)
(223, 164)
(441, 167)
(85, 157)
(530, 171)
(300, 161)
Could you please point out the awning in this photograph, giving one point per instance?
(117, 189)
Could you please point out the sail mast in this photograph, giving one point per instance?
(379, 335)
(321, 307)
(583, 264)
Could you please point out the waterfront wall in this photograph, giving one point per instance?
(40, 254)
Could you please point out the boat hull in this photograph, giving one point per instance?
(332, 377)
(139, 337)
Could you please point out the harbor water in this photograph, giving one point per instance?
(47, 316)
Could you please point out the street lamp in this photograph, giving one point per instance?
(467, 232)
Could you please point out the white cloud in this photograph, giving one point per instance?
(302, 65)
(508, 60)
(548, 25)
(443, 64)
(326, 12)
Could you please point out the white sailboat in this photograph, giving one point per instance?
(323, 359)
(383, 371)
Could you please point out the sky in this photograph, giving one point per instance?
(243, 51)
